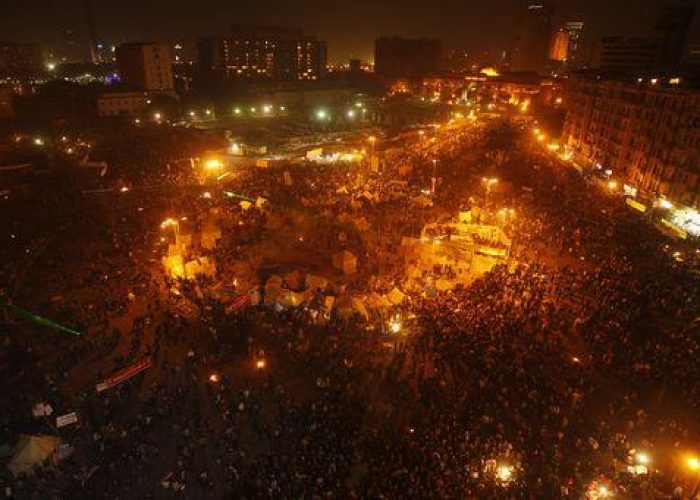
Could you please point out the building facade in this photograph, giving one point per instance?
(254, 52)
(113, 104)
(396, 57)
(559, 47)
(647, 134)
(147, 66)
(574, 52)
(20, 60)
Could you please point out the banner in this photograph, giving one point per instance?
(124, 374)
(67, 419)
(238, 303)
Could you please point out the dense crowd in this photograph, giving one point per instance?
(539, 379)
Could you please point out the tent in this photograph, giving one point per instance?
(210, 236)
(31, 451)
(396, 296)
(347, 306)
(290, 299)
(314, 282)
(345, 261)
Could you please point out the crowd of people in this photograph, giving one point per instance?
(540, 379)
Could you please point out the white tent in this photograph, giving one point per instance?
(31, 451)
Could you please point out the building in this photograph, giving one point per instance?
(255, 52)
(647, 134)
(131, 104)
(6, 103)
(672, 26)
(559, 48)
(20, 60)
(532, 38)
(147, 66)
(627, 54)
(396, 57)
(574, 53)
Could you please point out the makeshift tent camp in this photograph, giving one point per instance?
(174, 266)
(31, 451)
(345, 261)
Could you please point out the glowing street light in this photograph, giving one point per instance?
(693, 463)
(51, 66)
(351, 113)
(157, 116)
(213, 164)
(612, 185)
(260, 364)
(214, 378)
(322, 114)
(237, 111)
(395, 325)
(505, 473)
(664, 203)
(39, 141)
(489, 182)
(267, 109)
(192, 114)
(175, 224)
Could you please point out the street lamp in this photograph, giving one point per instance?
(175, 224)
(433, 179)
(489, 182)
(693, 465)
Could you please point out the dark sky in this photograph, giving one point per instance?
(349, 26)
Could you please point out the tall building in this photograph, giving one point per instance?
(575, 56)
(20, 59)
(646, 134)
(532, 38)
(559, 48)
(672, 26)
(255, 52)
(396, 57)
(627, 54)
(147, 66)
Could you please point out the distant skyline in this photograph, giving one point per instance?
(349, 26)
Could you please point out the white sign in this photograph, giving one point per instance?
(67, 419)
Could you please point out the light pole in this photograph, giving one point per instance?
(488, 183)
(175, 224)
(433, 179)
(371, 140)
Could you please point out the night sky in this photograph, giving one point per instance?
(349, 26)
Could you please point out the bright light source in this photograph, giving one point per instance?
(192, 113)
(351, 113)
(541, 137)
(39, 141)
(213, 164)
(157, 116)
(664, 203)
(206, 195)
(505, 473)
(260, 364)
(237, 111)
(169, 222)
(693, 463)
(553, 146)
(283, 108)
(395, 325)
(559, 100)
(51, 66)
(654, 81)
(642, 458)
(674, 81)
(214, 378)
(137, 121)
(267, 108)
(612, 185)
(208, 112)
(124, 189)
(372, 139)
(321, 114)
